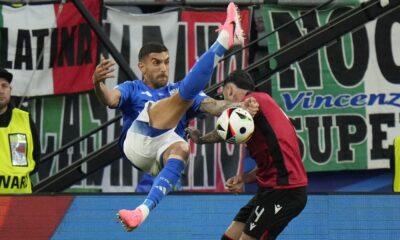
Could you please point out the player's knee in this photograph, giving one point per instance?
(179, 151)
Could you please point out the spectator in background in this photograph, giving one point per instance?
(19, 143)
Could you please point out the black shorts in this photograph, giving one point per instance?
(270, 211)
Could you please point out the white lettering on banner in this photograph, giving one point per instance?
(147, 28)
(343, 97)
(309, 100)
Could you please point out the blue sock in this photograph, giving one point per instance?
(201, 73)
(164, 182)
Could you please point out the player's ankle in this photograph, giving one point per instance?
(149, 203)
(218, 49)
(145, 210)
(223, 39)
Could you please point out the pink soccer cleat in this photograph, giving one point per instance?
(233, 26)
(130, 219)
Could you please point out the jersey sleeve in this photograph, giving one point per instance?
(194, 110)
(197, 102)
(127, 89)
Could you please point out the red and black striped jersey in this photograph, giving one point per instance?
(275, 147)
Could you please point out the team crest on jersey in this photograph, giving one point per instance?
(18, 146)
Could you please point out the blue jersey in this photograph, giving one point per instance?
(134, 95)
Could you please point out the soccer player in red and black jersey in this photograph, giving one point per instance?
(279, 172)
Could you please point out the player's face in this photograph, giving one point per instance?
(155, 69)
(5, 94)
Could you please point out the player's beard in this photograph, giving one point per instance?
(162, 80)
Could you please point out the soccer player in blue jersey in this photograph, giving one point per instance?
(155, 112)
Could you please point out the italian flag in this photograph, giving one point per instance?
(49, 48)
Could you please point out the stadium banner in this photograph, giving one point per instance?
(64, 118)
(344, 98)
(49, 48)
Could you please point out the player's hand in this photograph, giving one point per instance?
(235, 184)
(194, 134)
(103, 70)
(251, 105)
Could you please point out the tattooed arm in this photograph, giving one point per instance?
(210, 137)
(216, 107)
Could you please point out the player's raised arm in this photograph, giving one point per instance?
(109, 97)
(216, 107)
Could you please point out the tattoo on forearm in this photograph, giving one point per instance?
(216, 107)
(211, 137)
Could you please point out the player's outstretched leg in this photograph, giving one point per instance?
(230, 34)
(233, 27)
(163, 184)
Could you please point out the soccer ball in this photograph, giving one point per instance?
(235, 125)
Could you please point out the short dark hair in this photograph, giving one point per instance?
(241, 79)
(151, 47)
(6, 75)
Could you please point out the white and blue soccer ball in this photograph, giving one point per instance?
(235, 125)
